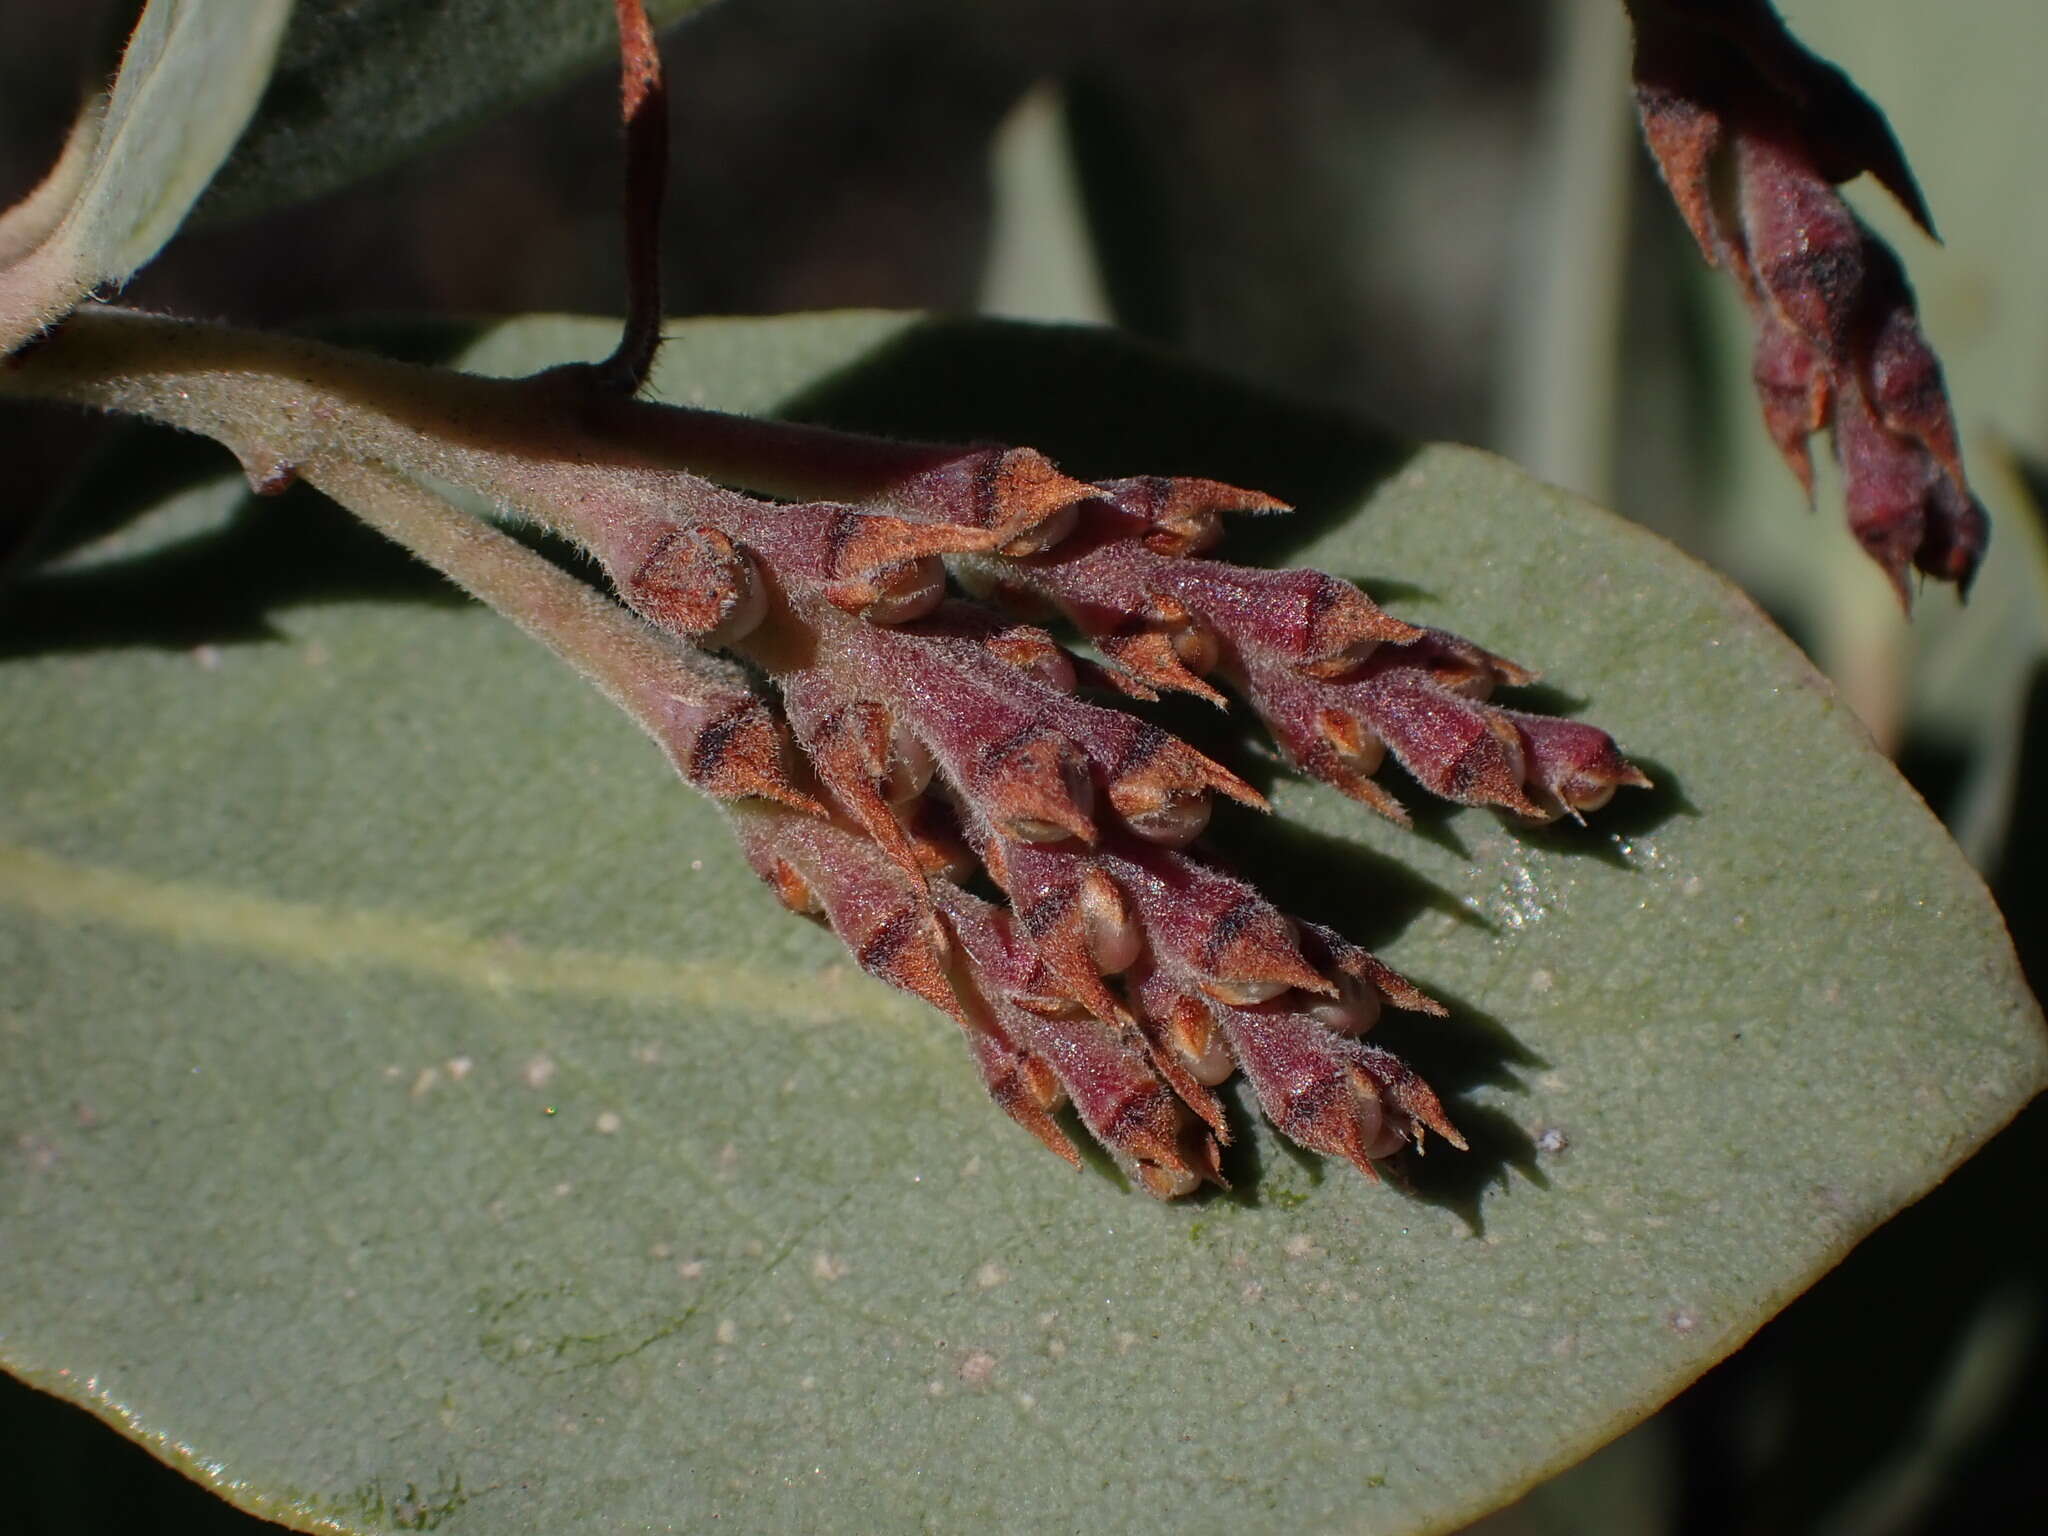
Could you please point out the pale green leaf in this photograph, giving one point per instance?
(189, 79)
(416, 1115)
(362, 83)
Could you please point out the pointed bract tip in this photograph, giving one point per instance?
(1219, 497)
(1346, 628)
(904, 950)
(742, 755)
(1170, 1155)
(1331, 1114)
(860, 542)
(1367, 792)
(1400, 1086)
(1032, 505)
(1367, 970)
(1151, 657)
(1164, 784)
(852, 751)
(1007, 1085)
(1252, 959)
(1059, 928)
(1182, 515)
(1034, 789)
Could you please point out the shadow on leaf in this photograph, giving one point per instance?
(1106, 406)
(218, 587)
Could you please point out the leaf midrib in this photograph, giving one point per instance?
(313, 936)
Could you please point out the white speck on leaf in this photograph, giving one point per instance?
(977, 1368)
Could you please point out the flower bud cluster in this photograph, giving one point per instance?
(1339, 683)
(1725, 92)
(884, 745)
(1124, 974)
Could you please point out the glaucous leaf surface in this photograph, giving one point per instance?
(361, 83)
(190, 77)
(417, 1116)
(1848, 1423)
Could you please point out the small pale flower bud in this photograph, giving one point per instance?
(907, 591)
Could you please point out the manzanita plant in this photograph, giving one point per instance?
(1081, 814)
(939, 738)
(923, 740)
(903, 667)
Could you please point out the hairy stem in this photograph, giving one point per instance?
(281, 400)
(619, 654)
(701, 712)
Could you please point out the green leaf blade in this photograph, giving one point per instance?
(363, 83)
(416, 1111)
(189, 80)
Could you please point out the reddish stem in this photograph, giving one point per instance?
(643, 109)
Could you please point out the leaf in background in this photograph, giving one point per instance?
(136, 162)
(362, 83)
(416, 1115)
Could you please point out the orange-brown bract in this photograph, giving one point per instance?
(1127, 973)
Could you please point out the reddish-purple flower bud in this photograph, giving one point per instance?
(882, 915)
(1572, 768)
(1837, 340)
(1102, 1068)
